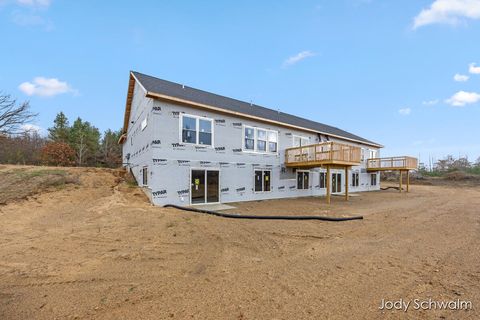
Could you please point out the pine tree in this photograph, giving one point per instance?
(60, 130)
(84, 139)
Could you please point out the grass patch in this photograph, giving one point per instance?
(20, 183)
(40, 173)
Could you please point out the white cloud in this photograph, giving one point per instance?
(45, 87)
(35, 3)
(29, 127)
(31, 20)
(430, 102)
(461, 98)
(460, 77)
(448, 11)
(30, 13)
(405, 111)
(298, 57)
(472, 68)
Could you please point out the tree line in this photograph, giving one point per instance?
(76, 144)
(451, 164)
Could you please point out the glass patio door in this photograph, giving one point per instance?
(336, 182)
(205, 186)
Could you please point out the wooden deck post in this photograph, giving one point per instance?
(346, 183)
(408, 180)
(401, 178)
(328, 184)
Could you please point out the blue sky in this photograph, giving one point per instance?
(405, 74)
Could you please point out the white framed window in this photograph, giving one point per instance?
(260, 140)
(196, 130)
(373, 179)
(249, 139)
(362, 154)
(300, 141)
(372, 154)
(263, 180)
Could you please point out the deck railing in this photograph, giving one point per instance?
(323, 153)
(392, 163)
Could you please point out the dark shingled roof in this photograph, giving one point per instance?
(172, 89)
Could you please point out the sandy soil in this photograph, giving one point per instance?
(98, 250)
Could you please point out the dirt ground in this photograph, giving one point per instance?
(96, 249)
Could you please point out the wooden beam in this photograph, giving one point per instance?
(408, 180)
(346, 183)
(328, 184)
(401, 178)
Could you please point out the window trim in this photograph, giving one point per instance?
(255, 139)
(197, 130)
(263, 179)
(371, 179)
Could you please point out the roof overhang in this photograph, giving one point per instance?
(163, 97)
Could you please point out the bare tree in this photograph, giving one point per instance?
(13, 116)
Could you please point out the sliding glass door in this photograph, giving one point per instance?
(205, 186)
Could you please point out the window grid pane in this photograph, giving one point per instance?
(205, 138)
(189, 123)
(261, 145)
(272, 147)
(249, 144)
(249, 133)
(261, 134)
(189, 136)
(205, 125)
(272, 136)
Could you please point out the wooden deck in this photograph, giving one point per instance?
(322, 154)
(403, 163)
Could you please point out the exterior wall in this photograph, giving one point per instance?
(170, 161)
(137, 151)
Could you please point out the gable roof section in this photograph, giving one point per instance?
(162, 89)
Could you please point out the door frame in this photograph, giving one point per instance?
(296, 179)
(263, 177)
(336, 182)
(205, 176)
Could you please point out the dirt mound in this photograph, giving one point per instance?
(461, 176)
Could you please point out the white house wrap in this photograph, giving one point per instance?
(187, 146)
